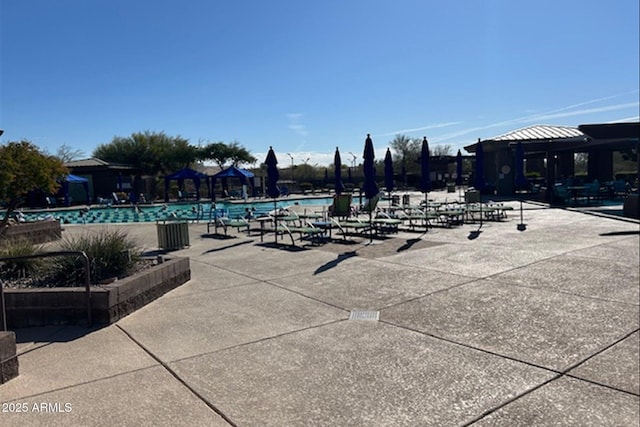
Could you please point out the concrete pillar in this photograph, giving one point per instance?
(566, 165)
(600, 165)
(551, 175)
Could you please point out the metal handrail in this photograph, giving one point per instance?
(87, 269)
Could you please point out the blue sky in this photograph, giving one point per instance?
(307, 76)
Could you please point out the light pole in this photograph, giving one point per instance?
(291, 157)
(353, 165)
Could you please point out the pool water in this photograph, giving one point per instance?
(202, 211)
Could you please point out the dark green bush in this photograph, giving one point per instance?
(20, 268)
(111, 254)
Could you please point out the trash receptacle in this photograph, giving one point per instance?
(395, 200)
(406, 200)
(451, 188)
(472, 196)
(172, 234)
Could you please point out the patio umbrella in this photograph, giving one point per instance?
(272, 181)
(521, 180)
(388, 173)
(478, 181)
(425, 175)
(370, 187)
(337, 164)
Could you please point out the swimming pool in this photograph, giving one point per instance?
(194, 211)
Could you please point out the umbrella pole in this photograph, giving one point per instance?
(275, 220)
(370, 226)
(426, 211)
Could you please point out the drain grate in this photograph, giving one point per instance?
(364, 315)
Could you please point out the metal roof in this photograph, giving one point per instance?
(539, 132)
(94, 162)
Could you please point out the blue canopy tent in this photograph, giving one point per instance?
(232, 172)
(180, 176)
(70, 180)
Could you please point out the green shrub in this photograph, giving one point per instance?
(20, 268)
(111, 254)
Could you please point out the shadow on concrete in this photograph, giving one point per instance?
(282, 247)
(246, 242)
(42, 336)
(217, 236)
(409, 243)
(334, 263)
(621, 233)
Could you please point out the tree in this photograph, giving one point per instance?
(152, 153)
(407, 151)
(65, 153)
(222, 153)
(441, 150)
(23, 168)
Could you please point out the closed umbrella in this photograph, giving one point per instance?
(388, 173)
(425, 175)
(272, 182)
(370, 187)
(337, 164)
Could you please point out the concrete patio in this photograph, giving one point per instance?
(511, 328)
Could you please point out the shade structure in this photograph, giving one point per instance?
(74, 179)
(180, 176)
(520, 179)
(388, 171)
(371, 189)
(478, 181)
(231, 172)
(272, 182)
(337, 164)
(459, 168)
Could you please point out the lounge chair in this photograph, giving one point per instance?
(117, 199)
(304, 230)
(341, 206)
(226, 223)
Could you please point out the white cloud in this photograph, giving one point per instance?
(295, 125)
(436, 126)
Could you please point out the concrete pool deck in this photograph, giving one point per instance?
(511, 328)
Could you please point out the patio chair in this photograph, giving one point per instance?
(561, 193)
(592, 192)
(619, 188)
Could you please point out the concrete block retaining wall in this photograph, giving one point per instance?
(8, 358)
(36, 232)
(109, 303)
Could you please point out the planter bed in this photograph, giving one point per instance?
(109, 303)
